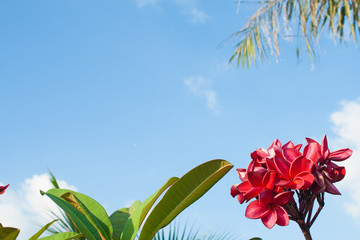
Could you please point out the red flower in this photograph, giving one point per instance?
(295, 175)
(327, 172)
(253, 183)
(3, 188)
(269, 208)
(274, 175)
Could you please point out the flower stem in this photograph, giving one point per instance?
(305, 229)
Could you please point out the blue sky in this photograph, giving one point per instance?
(115, 97)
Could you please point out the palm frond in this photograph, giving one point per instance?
(259, 38)
(175, 232)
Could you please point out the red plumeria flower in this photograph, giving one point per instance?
(269, 208)
(275, 174)
(3, 188)
(296, 175)
(254, 182)
(327, 172)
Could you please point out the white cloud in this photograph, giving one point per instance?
(201, 87)
(346, 123)
(25, 208)
(187, 7)
(196, 15)
(143, 3)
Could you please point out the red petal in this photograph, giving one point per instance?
(324, 145)
(234, 191)
(283, 198)
(282, 182)
(312, 151)
(268, 180)
(282, 216)
(309, 140)
(244, 186)
(252, 193)
(255, 179)
(289, 144)
(270, 219)
(270, 164)
(266, 197)
(242, 174)
(298, 147)
(297, 183)
(306, 180)
(330, 188)
(240, 198)
(276, 142)
(340, 155)
(259, 155)
(291, 154)
(282, 167)
(301, 164)
(254, 210)
(3, 188)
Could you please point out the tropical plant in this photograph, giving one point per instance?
(139, 220)
(174, 232)
(171, 232)
(10, 233)
(64, 223)
(300, 19)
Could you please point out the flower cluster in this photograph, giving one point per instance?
(276, 174)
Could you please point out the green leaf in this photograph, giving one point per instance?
(256, 238)
(63, 236)
(9, 233)
(134, 206)
(118, 220)
(79, 218)
(89, 208)
(93, 211)
(183, 193)
(137, 217)
(43, 229)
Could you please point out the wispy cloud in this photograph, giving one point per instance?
(346, 124)
(201, 87)
(25, 208)
(196, 15)
(143, 3)
(189, 8)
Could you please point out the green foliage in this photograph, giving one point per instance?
(90, 218)
(43, 229)
(174, 232)
(63, 236)
(184, 192)
(64, 223)
(8, 233)
(137, 217)
(259, 38)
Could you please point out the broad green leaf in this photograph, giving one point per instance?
(9, 233)
(96, 221)
(256, 238)
(92, 210)
(118, 220)
(134, 206)
(137, 217)
(183, 193)
(79, 219)
(43, 229)
(63, 236)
